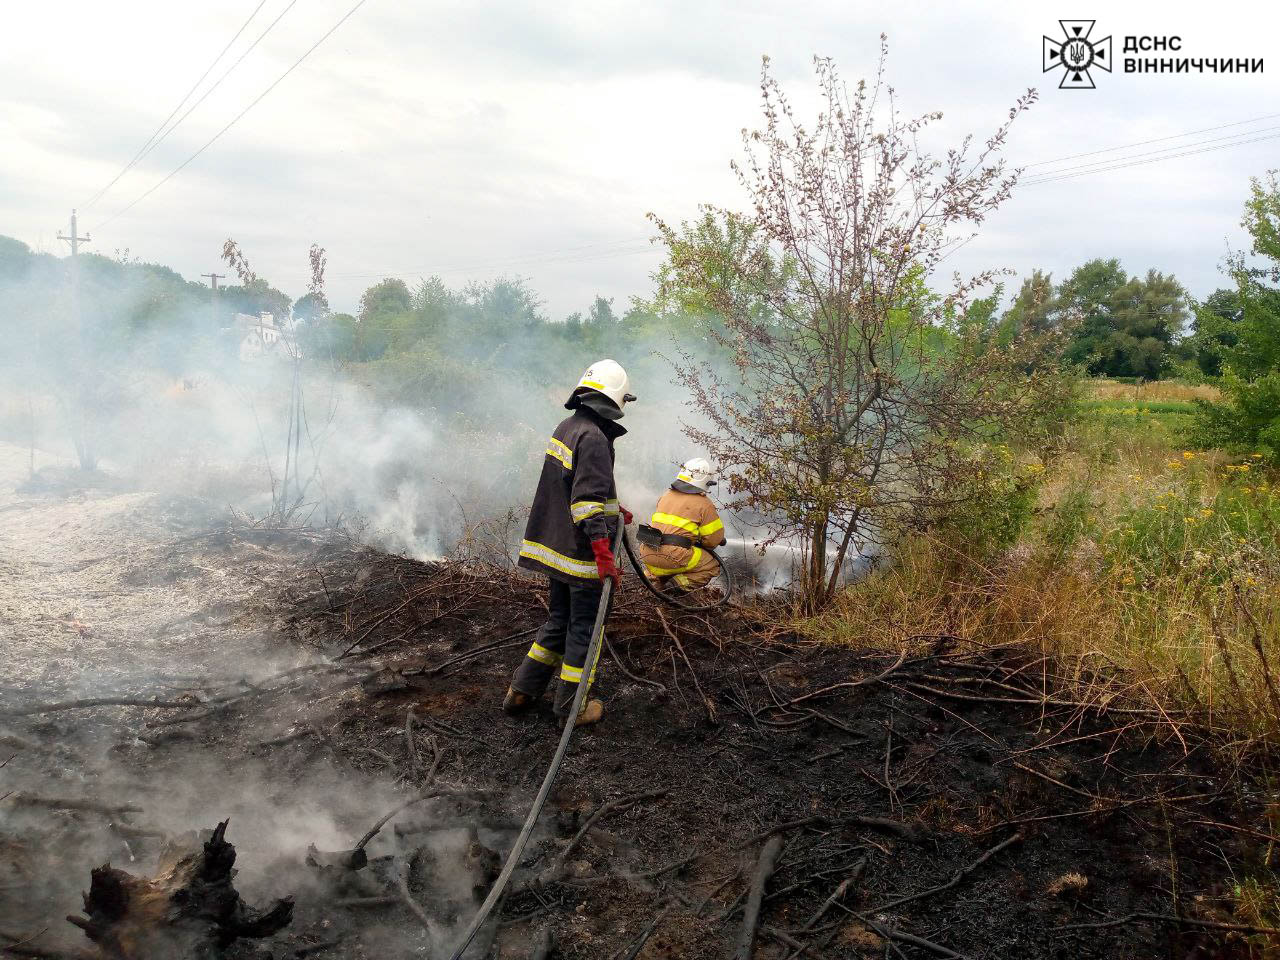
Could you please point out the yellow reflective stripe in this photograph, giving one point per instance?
(582, 509)
(611, 508)
(574, 674)
(686, 478)
(672, 520)
(558, 561)
(668, 571)
(712, 527)
(584, 382)
(560, 452)
(543, 655)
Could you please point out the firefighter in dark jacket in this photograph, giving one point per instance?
(575, 512)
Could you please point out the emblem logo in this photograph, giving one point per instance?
(1076, 55)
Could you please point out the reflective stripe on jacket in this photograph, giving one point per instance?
(688, 512)
(576, 500)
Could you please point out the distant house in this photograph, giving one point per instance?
(261, 338)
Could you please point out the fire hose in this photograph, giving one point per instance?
(517, 851)
(593, 653)
(674, 601)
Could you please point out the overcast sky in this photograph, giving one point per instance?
(476, 139)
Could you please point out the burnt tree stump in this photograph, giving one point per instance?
(188, 911)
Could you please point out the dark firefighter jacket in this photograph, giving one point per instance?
(576, 500)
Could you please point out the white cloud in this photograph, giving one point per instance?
(532, 139)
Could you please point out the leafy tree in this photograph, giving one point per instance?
(981, 316)
(15, 259)
(856, 405)
(1034, 309)
(432, 304)
(311, 307)
(503, 309)
(331, 336)
(1085, 297)
(573, 325)
(385, 321)
(1149, 315)
(1250, 417)
(1216, 321)
(601, 314)
(385, 298)
(255, 297)
(1122, 326)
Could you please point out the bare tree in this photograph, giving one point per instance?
(234, 257)
(289, 497)
(860, 401)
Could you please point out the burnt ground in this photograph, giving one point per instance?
(973, 810)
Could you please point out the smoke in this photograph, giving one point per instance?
(113, 586)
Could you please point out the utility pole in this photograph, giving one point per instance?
(81, 433)
(213, 301)
(75, 240)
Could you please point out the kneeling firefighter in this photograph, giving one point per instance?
(688, 526)
(575, 512)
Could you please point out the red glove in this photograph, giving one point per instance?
(626, 515)
(605, 564)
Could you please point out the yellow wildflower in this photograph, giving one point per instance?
(1188, 455)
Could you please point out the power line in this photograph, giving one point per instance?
(256, 100)
(1162, 150)
(1143, 143)
(205, 96)
(551, 257)
(151, 140)
(240, 59)
(1120, 165)
(559, 256)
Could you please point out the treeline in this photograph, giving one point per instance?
(150, 312)
(432, 345)
(146, 313)
(1143, 327)
(1114, 324)
(417, 342)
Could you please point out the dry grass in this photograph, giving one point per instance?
(1149, 573)
(1207, 655)
(1160, 391)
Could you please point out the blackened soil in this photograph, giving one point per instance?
(1093, 816)
(973, 808)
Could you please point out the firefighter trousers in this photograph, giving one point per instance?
(562, 643)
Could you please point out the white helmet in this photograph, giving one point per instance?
(605, 377)
(697, 472)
